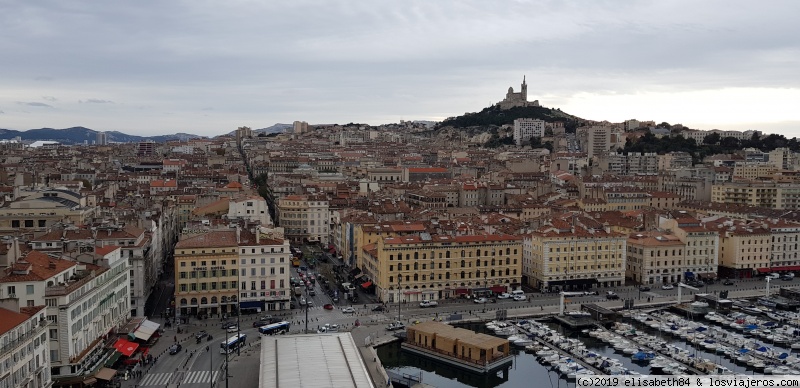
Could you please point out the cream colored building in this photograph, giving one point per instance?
(253, 208)
(753, 170)
(744, 251)
(785, 249)
(655, 258)
(304, 218)
(424, 267)
(207, 273)
(564, 256)
(764, 194)
(39, 209)
(702, 246)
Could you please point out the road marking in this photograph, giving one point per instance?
(198, 377)
(156, 379)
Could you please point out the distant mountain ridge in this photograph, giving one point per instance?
(77, 135)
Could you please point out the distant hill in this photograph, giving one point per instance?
(494, 116)
(275, 128)
(77, 135)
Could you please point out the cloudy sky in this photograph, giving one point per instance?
(207, 67)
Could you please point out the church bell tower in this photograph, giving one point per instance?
(524, 90)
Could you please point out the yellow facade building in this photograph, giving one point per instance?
(206, 273)
(570, 256)
(424, 267)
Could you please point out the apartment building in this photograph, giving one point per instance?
(744, 250)
(764, 194)
(24, 353)
(185, 205)
(253, 208)
(564, 255)
(632, 163)
(655, 258)
(304, 218)
(598, 140)
(701, 257)
(85, 300)
(207, 273)
(673, 160)
(425, 267)
(753, 170)
(785, 237)
(526, 128)
(135, 246)
(264, 260)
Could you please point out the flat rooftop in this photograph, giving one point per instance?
(312, 361)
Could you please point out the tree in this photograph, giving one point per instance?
(729, 142)
(713, 138)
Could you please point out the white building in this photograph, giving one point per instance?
(264, 260)
(25, 351)
(137, 247)
(304, 217)
(251, 208)
(526, 128)
(85, 300)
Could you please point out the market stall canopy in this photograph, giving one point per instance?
(126, 347)
(146, 330)
(106, 374)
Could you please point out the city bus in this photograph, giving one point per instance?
(233, 343)
(275, 328)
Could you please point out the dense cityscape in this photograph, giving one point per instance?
(126, 264)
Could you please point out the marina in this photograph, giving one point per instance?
(707, 336)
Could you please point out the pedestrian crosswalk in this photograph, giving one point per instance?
(199, 377)
(193, 377)
(156, 379)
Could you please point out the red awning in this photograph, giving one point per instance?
(764, 270)
(787, 268)
(126, 347)
(366, 285)
(498, 289)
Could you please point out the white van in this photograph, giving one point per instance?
(517, 292)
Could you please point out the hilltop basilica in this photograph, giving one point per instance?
(517, 99)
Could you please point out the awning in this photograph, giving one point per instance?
(764, 270)
(114, 357)
(366, 285)
(126, 347)
(252, 304)
(787, 268)
(498, 289)
(89, 381)
(688, 274)
(146, 330)
(106, 374)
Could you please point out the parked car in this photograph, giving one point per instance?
(667, 287)
(348, 310)
(312, 292)
(504, 295)
(480, 300)
(611, 295)
(788, 276)
(591, 293)
(520, 298)
(428, 303)
(378, 308)
(644, 288)
(175, 349)
(397, 325)
(774, 275)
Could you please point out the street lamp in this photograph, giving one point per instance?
(485, 286)
(399, 278)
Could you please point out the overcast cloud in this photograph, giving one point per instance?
(207, 67)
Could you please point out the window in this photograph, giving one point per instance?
(29, 289)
